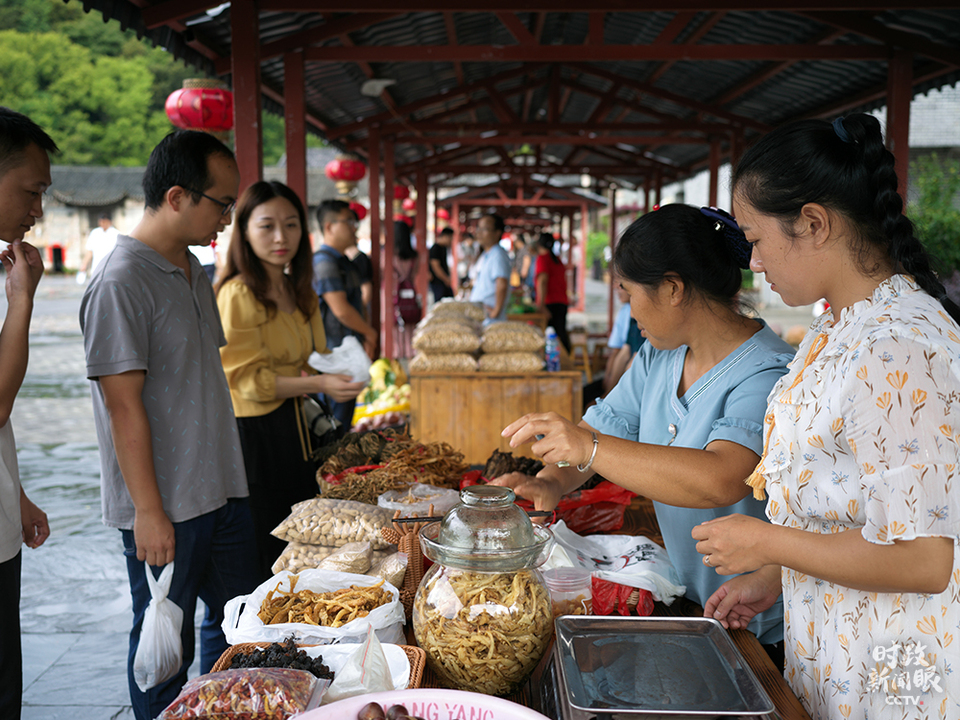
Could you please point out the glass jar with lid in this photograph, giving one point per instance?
(482, 612)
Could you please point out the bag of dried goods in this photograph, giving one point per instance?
(331, 522)
(507, 362)
(446, 338)
(512, 337)
(250, 693)
(315, 607)
(442, 362)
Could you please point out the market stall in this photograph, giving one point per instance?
(355, 572)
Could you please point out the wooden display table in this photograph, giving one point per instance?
(540, 318)
(468, 410)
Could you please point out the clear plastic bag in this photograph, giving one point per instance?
(160, 651)
(246, 694)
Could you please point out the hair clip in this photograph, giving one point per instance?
(841, 130)
(727, 226)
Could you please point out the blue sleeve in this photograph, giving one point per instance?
(618, 414)
(502, 267)
(744, 408)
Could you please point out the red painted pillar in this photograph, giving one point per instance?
(421, 222)
(899, 95)
(714, 172)
(247, 104)
(294, 117)
(375, 222)
(387, 319)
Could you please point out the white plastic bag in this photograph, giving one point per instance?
(365, 671)
(160, 651)
(348, 358)
(241, 623)
(634, 561)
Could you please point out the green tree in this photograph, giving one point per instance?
(934, 213)
(97, 107)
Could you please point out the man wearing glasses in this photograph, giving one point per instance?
(172, 472)
(338, 285)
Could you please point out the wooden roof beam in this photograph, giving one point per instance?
(567, 5)
(440, 98)
(511, 21)
(695, 37)
(595, 28)
(680, 100)
(772, 70)
(466, 128)
(558, 140)
(592, 53)
(871, 29)
(313, 36)
(451, 28)
(634, 105)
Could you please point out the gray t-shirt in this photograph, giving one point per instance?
(139, 313)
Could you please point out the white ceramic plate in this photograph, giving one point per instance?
(432, 703)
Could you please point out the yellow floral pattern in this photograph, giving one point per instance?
(865, 441)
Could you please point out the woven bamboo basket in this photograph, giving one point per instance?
(415, 655)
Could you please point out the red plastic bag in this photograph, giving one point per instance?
(610, 598)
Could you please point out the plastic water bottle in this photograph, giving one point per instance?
(552, 350)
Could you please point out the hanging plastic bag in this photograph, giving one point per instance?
(348, 358)
(160, 651)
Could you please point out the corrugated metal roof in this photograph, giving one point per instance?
(648, 90)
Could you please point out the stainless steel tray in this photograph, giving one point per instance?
(653, 667)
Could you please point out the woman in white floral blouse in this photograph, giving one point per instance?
(862, 437)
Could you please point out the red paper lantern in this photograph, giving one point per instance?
(345, 169)
(442, 214)
(401, 192)
(400, 217)
(201, 109)
(409, 204)
(359, 209)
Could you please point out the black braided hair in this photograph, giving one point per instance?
(845, 167)
(681, 239)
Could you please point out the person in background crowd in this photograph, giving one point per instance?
(338, 285)
(492, 283)
(684, 424)
(466, 260)
(272, 322)
(100, 242)
(171, 466)
(440, 283)
(621, 352)
(361, 261)
(523, 257)
(24, 178)
(862, 444)
(551, 286)
(407, 307)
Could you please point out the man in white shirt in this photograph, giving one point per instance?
(99, 244)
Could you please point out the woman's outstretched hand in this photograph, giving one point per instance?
(555, 439)
(543, 492)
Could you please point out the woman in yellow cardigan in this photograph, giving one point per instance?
(272, 322)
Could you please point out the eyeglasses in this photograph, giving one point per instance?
(226, 208)
(352, 223)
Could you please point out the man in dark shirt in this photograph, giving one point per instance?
(440, 284)
(338, 285)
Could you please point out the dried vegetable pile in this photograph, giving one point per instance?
(331, 609)
(403, 461)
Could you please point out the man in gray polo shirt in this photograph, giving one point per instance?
(172, 476)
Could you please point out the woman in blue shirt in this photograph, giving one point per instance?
(683, 426)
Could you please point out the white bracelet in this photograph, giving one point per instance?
(596, 442)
